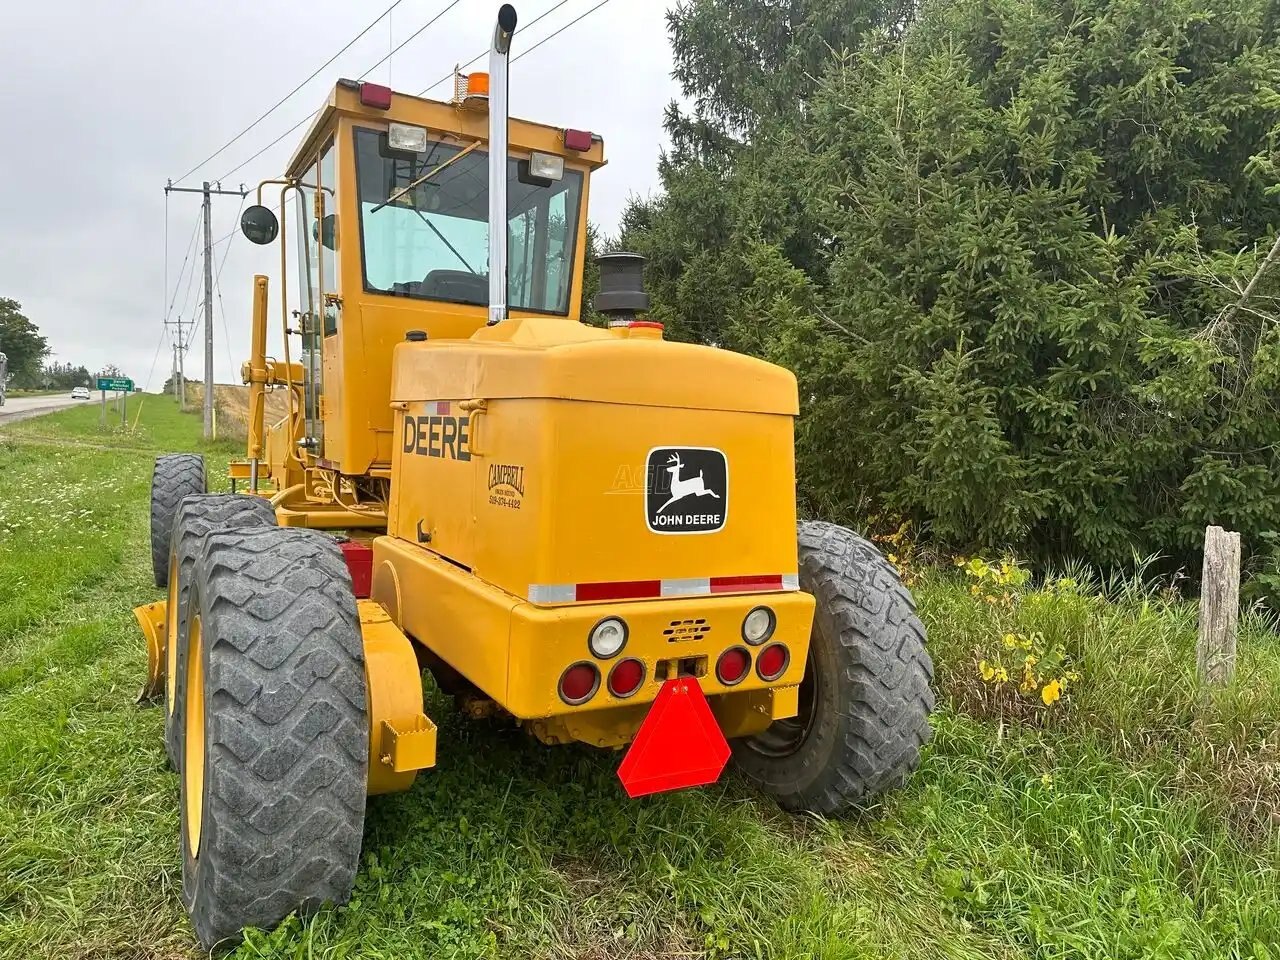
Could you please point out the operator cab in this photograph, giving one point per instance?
(389, 196)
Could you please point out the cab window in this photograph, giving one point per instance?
(433, 242)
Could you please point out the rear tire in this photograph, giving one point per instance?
(197, 516)
(274, 790)
(865, 700)
(176, 475)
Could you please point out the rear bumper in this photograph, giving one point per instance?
(671, 637)
(515, 651)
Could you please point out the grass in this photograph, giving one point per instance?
(1094, 829)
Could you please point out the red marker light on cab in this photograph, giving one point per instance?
(376, 96)
(577, 140)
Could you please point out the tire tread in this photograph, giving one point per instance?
(286, 727)
(176, 475)
(884, 667)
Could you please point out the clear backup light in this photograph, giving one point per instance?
(406, 137)
(546, 166)
(757, 626)
(607, 638)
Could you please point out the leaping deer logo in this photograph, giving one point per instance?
(693, 487)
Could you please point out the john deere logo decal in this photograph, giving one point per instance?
(686, 490)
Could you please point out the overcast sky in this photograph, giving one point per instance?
(103, 102)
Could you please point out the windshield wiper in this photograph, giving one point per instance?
(444, 240)
(423, 179)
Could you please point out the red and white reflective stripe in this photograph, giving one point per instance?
(550, 593)
(441, 407)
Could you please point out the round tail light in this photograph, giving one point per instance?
(625, 678)
(733, 665)
(579, 683)
(773, 661)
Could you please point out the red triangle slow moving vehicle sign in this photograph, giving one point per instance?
(678, 745)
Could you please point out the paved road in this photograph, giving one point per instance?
(20, 408)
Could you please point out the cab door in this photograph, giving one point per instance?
(329, 304)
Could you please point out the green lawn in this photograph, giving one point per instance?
(1132, 819)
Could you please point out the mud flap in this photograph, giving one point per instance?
(153, 619)
(678, 745)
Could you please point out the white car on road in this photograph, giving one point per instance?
(80, 393)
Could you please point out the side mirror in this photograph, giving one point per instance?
(325, 231)
(259, 224)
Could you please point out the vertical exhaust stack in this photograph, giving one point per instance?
(499, 55)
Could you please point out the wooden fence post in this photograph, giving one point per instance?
(1219, 607)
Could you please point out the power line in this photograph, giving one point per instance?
(187, 298)
(217, 285)
(163, 333)
(279, 103)
(552, 36)
(177, 283)
(307, 119)
(164, 290)
(519, 30)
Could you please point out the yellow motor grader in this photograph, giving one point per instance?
(588, 530)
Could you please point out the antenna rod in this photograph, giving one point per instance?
(499, 56)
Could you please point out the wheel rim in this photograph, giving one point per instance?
(171, 637)
(193, 752)
(784, 737)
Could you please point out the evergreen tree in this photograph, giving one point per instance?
(1002, 246)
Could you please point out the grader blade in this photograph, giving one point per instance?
(152, 618)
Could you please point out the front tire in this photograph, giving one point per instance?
(197, 516)
(865, 699)
(176, 476)
(277, 740)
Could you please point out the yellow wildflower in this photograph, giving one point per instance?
(1051, 692)
(1030, 660)
(1010, 641)
(1002, 675)
(986, 670)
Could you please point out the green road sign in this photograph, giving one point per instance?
(115, 383)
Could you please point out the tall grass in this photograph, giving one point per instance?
(1133, 645)
(1078, 831)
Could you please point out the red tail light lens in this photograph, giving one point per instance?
(773, 661)
(579, 683)
(733, 665)
(625, 678)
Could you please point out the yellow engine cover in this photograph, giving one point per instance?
(554, 460)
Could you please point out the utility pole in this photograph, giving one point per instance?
(207, 190)
(208, 317)
(179, 352)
